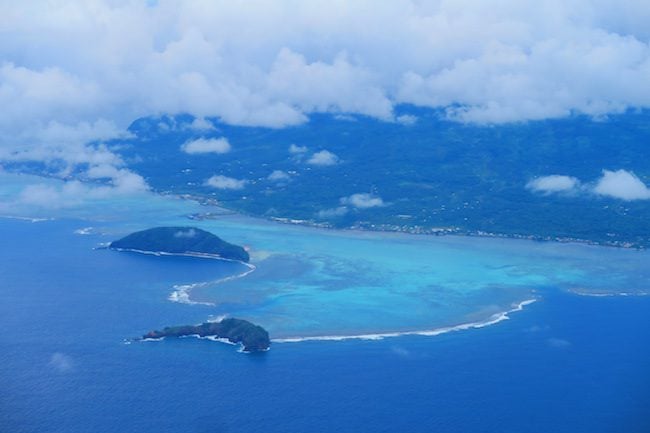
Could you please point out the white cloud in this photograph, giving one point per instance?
(558, 343)
(189, 233)
(553, 184)
(406, 119)
(124, 181)
(206, 145)
(509, 60)
(515, 75)
(346, 118)
(324, 158)
(339, 86)
(363, 201)
(278, 176)
(623, 185)
(358, 201)
(55, 141)
(106, 181)
(202, 124)
(74, 193)
(61, 362)
(48, 196)
(332, 213)
(295, 149)
(64, 84)
(619, 184)
(224, 182)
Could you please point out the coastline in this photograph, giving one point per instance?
(392, 229)
(221, 210)
(240, 348)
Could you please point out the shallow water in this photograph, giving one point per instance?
(311, 282)
(565, 363)
(315, 282)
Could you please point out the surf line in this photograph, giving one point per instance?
(611, 294)
(181, 292)
(492, 320)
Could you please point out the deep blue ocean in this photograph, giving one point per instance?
(567, 363)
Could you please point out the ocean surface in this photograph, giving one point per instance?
(519, 336)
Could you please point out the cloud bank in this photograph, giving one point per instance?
(272, 63)
(73, 75)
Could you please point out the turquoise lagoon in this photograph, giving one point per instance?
(311, 283)
(331, 284)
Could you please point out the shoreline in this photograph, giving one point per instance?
(240, 348)
(384, 228)
(372, 228)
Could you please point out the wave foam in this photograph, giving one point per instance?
(492, 320)
(207, 337)
(608, 294)
(181, 292)
(30, 219)
(85, 231)
(186, 254)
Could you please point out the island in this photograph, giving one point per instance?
(181, 240)
(253, 338)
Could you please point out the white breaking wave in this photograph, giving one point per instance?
(31, 220)
(84, 231)
(186, 254)
(608, 294)
(208, 337)
(494, 319)
(181, 292)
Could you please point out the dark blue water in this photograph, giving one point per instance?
(564, 364)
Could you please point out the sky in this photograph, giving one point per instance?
(72, 73)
